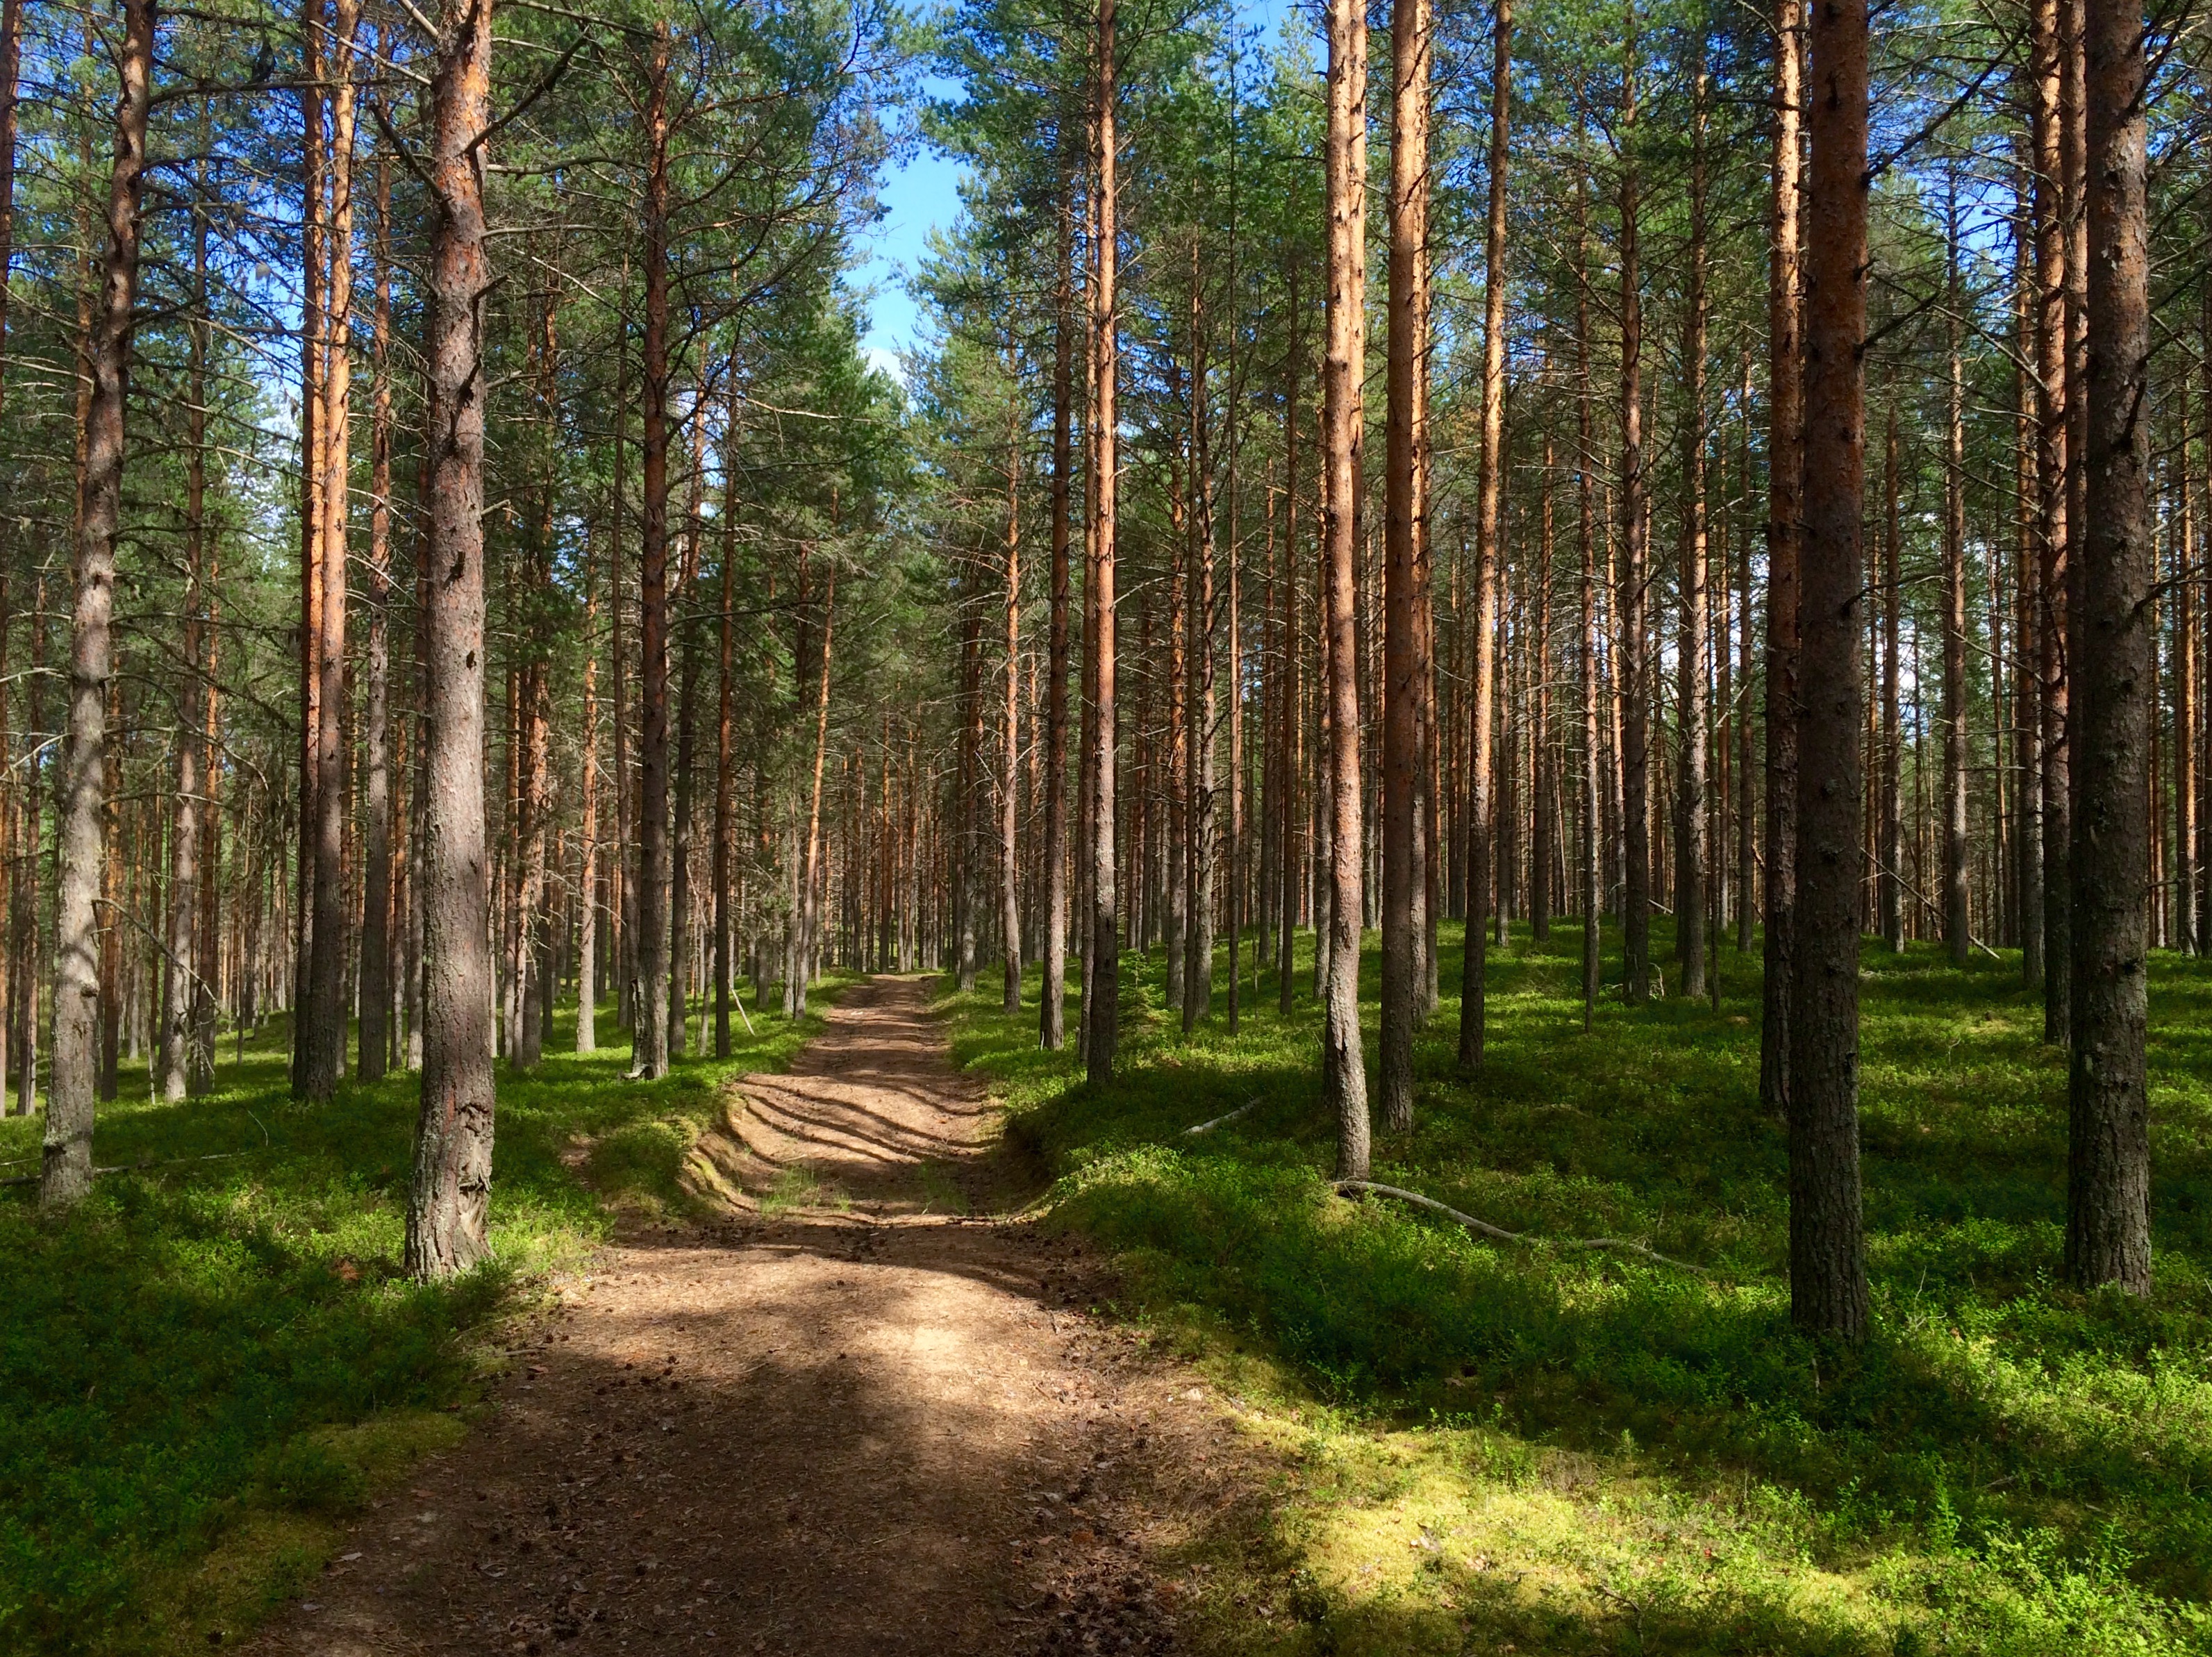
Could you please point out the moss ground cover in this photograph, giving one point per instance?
(1536, 1447)
(215, 1359)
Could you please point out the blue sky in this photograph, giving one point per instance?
(922, 194)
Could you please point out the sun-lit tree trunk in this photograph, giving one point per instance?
(1480, 807)
(1344, 1072)
(447, 1205)
(1889, 805)
(1631, 682)
(376, 935)
(1010, 750)
(312, 351)
(66, 1168)
(1292, 710)
(590, 861)
(1199, 777)
(1693, 669)
(725, 728)
(1957, 913)
(326, 1011)
(1405, 443)
(2108, 1164)
(1785, 483)
(1052, 1015)
(1827, 1261)
(1102, 1021)
(810, 892)
(2186, 698)
(650, 1024)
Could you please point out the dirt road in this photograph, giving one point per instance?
(866, 1423)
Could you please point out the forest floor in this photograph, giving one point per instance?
(864, 1409)
(1497, 1446)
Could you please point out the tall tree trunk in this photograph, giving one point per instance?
(1957, 915)
(313, 350)
(724, 731)
(533, 790)
(592, 893)
(2108, 1164)
(326, 1011)
(1010, 751)
(376, 935)
(1404, 473)
(1593, 875)
(1344, 1072)
(1693, 679)
(1474, 1012)
(1543, 829)
(809, 896)
(1052, 1013)
(1101, 1023)
(447, 1208)
(1631, 682)
(1890, 870)
(650, 1026)
(1828, 1261)
(66, 1168)
(1785, 484)
(1292, 709)
(2185, 695)
(1199, 776)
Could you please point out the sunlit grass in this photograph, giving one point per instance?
(213, 1363)
(2009, 1466)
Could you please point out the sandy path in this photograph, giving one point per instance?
(864, 1425)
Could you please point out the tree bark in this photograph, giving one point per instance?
(1827, 1264)
(2108, 1164)
(447, 1208)
(1010, 750)
(724, 731)
(1958, 936)
(1890, 757)
(66, 1168)
(376, 936)
(1692, 680)
(1630, 683)
(326, 1011)
(1344, 1072)
(650, 1025)
(1785, 483)
(1474, 1013)
(313, 352)
(1404, 473)
(1052, 1013)
(1102, 1023)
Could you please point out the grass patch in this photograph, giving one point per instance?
(211, 1364)
(1604, 1454)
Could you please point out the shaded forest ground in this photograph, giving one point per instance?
(214, 1364)
(1499, 1447)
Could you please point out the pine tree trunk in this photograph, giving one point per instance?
(1291, 703)
(1693, 682)
(1404, 473)
(1344, 1073)
(2108, 1164)
(725, 731)
(1785, 483)
(1010, 913)
(326, 1011)
(376, 935)
(1827, 1264)
(1199, 777)
(1630, 683)
(1957, 915)
(66, 1168)
(1052, 1013)
(1889, 852)
(448, 1206)
(1102, 1023)
(312, 353)
(650, 1025)
(1480, 808)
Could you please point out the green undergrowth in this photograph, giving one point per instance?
(1563, 1450)
(216, 1360)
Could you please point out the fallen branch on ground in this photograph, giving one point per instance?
(135, 1167)
(1249, 1104)
(1485, 1229)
